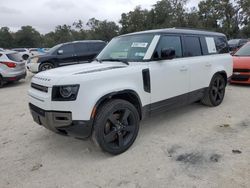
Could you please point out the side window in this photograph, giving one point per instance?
(221, 45)
(81, 47)
(192, 46)
(96, 47)
(67, 49)
(167, 42)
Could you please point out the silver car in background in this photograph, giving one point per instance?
(12, 67)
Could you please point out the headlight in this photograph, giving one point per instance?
(65, 93)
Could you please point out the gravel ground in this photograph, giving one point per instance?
(193, 146)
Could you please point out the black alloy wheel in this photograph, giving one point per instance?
(116, 126)
(216, 91)
(46, 66)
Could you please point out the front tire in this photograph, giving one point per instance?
(116, 126)
(214, 95)
(46, 66)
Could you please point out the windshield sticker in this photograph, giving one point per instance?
(211, 45)
(139, 44)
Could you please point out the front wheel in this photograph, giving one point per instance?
(116, 126)
(46, 66)
(214, 95)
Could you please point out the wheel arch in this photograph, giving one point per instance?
(128, 95)
(222, 73)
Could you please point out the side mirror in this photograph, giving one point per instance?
(60, 52)
(168, 53)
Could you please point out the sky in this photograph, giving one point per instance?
(45, 15)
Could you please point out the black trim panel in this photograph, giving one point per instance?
(173, 102)
(146, 80)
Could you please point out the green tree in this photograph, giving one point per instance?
(103, 30)
(6, 38)
(27, 37)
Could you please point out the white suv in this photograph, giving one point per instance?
(133, 77)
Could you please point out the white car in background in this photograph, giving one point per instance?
(12, 67)
(24, 52)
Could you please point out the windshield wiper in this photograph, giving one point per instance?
(119, 60)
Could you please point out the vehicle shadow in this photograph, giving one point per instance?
(78, 147)
(13, 84)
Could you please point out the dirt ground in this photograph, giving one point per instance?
(193, 146)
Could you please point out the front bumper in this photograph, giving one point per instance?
(241, 78)
(61, 122)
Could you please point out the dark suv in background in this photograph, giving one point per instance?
(235, 44)
(66, 54)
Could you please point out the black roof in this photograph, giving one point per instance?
(178, 31)
(83, 41)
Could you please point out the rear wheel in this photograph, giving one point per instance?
(116, 126)
(1, 82)
(46, 66)
(214, 95)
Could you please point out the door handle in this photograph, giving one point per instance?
(208, 64)
(183, 69)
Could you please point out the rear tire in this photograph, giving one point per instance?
(214, 95)
(116, 126)
(1, 82)
(46, 66)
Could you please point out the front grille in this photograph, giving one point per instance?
(37, 109)
(39, 87)
(241, 78)
(241, 70)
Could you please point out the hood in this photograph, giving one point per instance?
(50, 77)
(241, 62)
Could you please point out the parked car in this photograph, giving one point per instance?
(12, 67)
(36, 51)
(1, 49)
(66, 54)
(133, 77)
(235, 44)
(24, 52)
(241, 68)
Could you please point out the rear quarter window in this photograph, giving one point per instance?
(14, 57)
(221, 45)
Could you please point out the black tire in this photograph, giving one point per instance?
(214, 95)
(116, 126)
(1, 82)
(46, 66)
(25, 56)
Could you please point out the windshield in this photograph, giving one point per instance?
(127, 48)
(51, 50)
(244, 51)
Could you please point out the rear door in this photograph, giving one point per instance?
(199, 65)
(169, 78)
(66, 55)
